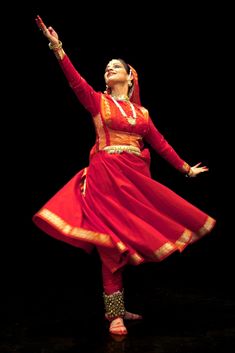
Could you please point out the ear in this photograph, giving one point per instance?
(130, 79)
(130, 76)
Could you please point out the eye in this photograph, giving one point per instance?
(115, 66)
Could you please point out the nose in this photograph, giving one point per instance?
(110, 71)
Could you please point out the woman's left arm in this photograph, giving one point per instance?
(165, 150)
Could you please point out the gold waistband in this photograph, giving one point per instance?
(122, 148)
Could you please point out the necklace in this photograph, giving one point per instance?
(122, 97)
(131, 119)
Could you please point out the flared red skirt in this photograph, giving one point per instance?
(116, 204)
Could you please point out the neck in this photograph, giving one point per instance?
(120, 92)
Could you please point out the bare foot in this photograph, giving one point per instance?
(117, 327)
(131, 316)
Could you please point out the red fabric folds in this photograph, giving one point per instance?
(115, 204)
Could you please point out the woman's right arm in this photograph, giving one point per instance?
(87, 96)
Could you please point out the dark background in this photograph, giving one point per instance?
(52, 292)
(177, 54)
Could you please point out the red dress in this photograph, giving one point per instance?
(114, 203)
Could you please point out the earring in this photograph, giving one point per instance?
(129, 83)
(107, 89)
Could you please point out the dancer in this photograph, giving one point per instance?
(114, 204)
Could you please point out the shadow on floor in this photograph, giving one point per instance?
(184, 320)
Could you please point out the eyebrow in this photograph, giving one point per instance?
(115, 63)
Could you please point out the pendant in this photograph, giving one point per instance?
(131, 121)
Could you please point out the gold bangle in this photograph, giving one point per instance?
(55, 47)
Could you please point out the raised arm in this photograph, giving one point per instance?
(87, 96)
(164, 149)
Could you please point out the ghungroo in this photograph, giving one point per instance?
(114, 305)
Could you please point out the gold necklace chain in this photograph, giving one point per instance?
(122, 97)
(131, 119)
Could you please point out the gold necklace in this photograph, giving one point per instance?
(131, 119)
(122, 97)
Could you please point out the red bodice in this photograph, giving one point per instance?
(112, 128)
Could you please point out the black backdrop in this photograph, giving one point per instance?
(175, 53)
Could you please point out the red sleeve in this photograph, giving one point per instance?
(164, 149)
(87, 96)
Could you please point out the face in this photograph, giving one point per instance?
(115, 72)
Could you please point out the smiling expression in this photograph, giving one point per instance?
(115, 72)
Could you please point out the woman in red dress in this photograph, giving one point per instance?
(114, 204)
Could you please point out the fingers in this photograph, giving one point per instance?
(203, 168)
(41, 25)
(197, 170)
(200, 170)
(51, 30)
(197, 165)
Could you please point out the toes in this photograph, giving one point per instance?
(117, 327)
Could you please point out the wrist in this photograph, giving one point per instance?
(189, 174)
(57, 50)
(55, 46)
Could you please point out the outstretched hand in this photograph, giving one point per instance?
(197, 169)
(48, 32)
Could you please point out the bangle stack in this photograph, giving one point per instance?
(55, 47)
